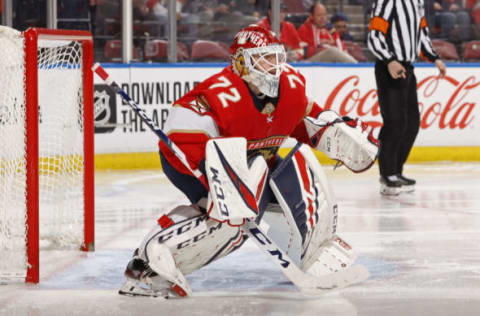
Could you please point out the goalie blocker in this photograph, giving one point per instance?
(186, 239)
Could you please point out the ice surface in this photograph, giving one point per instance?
(422, 250)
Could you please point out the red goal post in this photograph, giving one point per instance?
(54, 182)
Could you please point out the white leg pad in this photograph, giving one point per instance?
(335, 255)
(308, 203)
(162, 262)
(279, 228)
(184, 240)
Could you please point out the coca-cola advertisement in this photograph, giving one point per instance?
(449, 107)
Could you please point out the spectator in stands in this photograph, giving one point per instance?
(231, 16)
(250, 9)
(323, 45)
(307, 4)
(470, 4)
(73, 14)
(476, 20)
(29, 13)
(430, 17)
(288, 34)
(194, 17)
(340, 24)
(213, 19)
(261, 8)
(107, 19)
(154, 10)
(452, 19)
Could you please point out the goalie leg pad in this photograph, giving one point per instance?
(181, 241)
(212, 241)
(304, 194)
(161, 261)
(236, 185)
(143, 280)
(152, 270)
(192, 238)
(282, 232)
(335, 255)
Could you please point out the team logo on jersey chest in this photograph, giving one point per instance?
(268, 109)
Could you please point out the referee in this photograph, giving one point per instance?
(397, 35)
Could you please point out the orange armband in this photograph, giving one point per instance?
(378, 24)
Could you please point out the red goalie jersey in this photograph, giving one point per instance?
(224, 106)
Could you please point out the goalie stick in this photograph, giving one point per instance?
(100, 71)
(305, 282)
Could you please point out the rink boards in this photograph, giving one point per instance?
(450, 110)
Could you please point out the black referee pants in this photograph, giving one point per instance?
(401, 118)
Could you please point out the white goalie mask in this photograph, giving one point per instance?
(259, 58)
(264, 66)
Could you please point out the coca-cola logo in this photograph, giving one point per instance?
(456, 111)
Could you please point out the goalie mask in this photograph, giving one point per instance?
(258, 57)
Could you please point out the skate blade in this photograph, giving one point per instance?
(408, 188)
(388, 191)
(134, 294)
(132, 288)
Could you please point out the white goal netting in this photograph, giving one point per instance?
(60, 142)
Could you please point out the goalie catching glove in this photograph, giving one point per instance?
(236, 185)
(343, 139)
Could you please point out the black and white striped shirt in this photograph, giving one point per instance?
(398, 30)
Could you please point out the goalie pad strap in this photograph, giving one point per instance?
(164, 221)
(180, 292)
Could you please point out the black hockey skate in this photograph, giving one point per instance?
(408, 185)
(390, 185)
(141, 280)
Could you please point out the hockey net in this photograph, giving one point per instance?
(46, 146)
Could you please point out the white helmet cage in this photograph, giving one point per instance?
(264, 66)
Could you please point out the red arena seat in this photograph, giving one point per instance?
(476, 14)
(469, 4)
(355, 50)
(156, 50)
(226, 46)
(471, 51)
(113, 51)
(203, 50)
(294, 6)
(445, 50)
